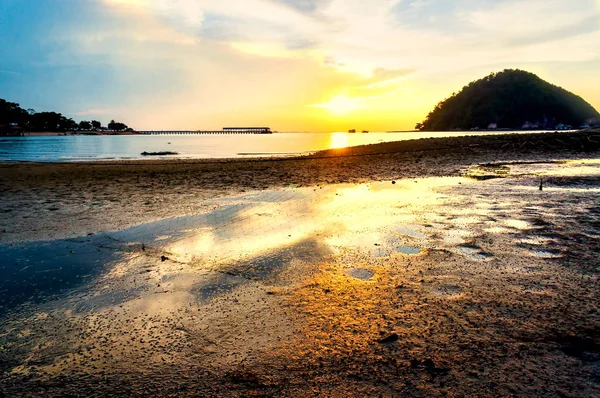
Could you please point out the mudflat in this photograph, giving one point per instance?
(57, 200)
(458, 267)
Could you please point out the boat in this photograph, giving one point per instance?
(352, 131)
(365, 131)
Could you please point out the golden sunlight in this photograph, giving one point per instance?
(339, 141)
(341, 105)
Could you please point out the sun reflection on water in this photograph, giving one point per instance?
(339, 140)
(358, 217)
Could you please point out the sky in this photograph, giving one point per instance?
(293, 65)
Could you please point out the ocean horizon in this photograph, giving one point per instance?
(82, 148)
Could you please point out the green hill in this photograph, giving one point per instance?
(512, 99)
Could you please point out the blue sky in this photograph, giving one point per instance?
(301, 65)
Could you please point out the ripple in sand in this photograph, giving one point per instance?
(592, 235)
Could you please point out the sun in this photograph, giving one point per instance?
(341, 105)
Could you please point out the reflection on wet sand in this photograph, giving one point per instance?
(438, 286)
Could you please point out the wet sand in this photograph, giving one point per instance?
(49, 201)
(435, 284)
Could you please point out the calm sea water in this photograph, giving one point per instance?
(92, 148)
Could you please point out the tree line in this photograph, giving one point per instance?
(12, 115)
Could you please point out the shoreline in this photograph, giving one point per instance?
(397, 146)
(40, 199)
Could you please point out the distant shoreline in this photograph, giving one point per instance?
(301, 144)
(123, 133)
(68, 134)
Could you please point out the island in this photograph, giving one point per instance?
(511, 100)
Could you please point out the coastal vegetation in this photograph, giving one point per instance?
(13, 118)
(512, 99)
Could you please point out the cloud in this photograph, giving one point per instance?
(525, 17)
(576, 28)
(359, 36)
(384, 75)
(195, 63)
(306, 6)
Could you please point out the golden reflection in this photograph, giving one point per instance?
(270, 225)
(339, 141)
(256, 230)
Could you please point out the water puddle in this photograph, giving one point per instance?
(360, 273)
(39, 271)
(218, 279)
(259, 235)
(546, 254)
(408, 250)
(488, 172)
(536, 240)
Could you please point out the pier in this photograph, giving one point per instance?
(226, 130)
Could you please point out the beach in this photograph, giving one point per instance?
(460, 266)
(47, 201)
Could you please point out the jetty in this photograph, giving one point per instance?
(226, 130)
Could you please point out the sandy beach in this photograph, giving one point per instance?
(49, 201)
(435, 267)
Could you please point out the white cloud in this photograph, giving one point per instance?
(329, 52)
(524, 17)
(366, 35)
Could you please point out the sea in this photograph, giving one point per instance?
(81, 148)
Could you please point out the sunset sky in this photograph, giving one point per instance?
(294, 65)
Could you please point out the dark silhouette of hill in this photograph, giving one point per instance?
(512, 99)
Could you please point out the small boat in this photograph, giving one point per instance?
(352, 131)
(365, 131)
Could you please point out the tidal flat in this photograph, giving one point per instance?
(471, 283)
